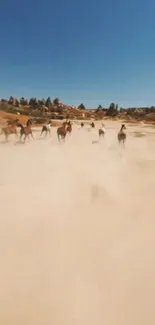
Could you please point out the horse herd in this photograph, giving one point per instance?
(62, 131)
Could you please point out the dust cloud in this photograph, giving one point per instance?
(77, 240)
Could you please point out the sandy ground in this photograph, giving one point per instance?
(77, 242)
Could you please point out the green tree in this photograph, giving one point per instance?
(3, 100)
(152, 109)
(112, 110)
(56, 101)
(99, 108)
(11, 100)
(42, 102)
(81, 106)
(23, 101)
(48, 102)
(33, 102)
(16, 102)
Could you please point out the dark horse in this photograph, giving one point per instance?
(26, 131)
(122, 135)
(101, 133)
(92, 124)
(11, 128)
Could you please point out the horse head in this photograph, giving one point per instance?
(123, 127)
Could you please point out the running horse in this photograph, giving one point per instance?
(122, 135)
(101, 132)
(47, 129)
(62, 131)
(11, 128)
(92, 125)
(25, 130)
(69, 127)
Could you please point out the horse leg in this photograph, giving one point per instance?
(6, 137)
(25, 138)
(122, 143)
(16, 135)
(41, 132)
(20, 139)
(58, 135)
(21, 134)
(32, 135)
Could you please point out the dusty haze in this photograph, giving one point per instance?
(77, 239)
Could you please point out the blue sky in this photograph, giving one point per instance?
(95, 52)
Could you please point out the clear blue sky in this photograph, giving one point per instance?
(95, 52)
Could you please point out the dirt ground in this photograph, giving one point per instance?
(77, 229)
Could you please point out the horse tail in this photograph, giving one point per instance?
(119, 138)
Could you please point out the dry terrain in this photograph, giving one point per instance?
(77, 240)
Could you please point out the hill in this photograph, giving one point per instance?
(40, 110)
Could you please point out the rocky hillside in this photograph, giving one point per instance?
(41, 109)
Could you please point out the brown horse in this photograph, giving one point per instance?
(62, 131)
(11, 128)
(92, 125)
(69, 127)
(122, 135)
(26, 131)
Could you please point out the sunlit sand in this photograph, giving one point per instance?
(77, 229)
